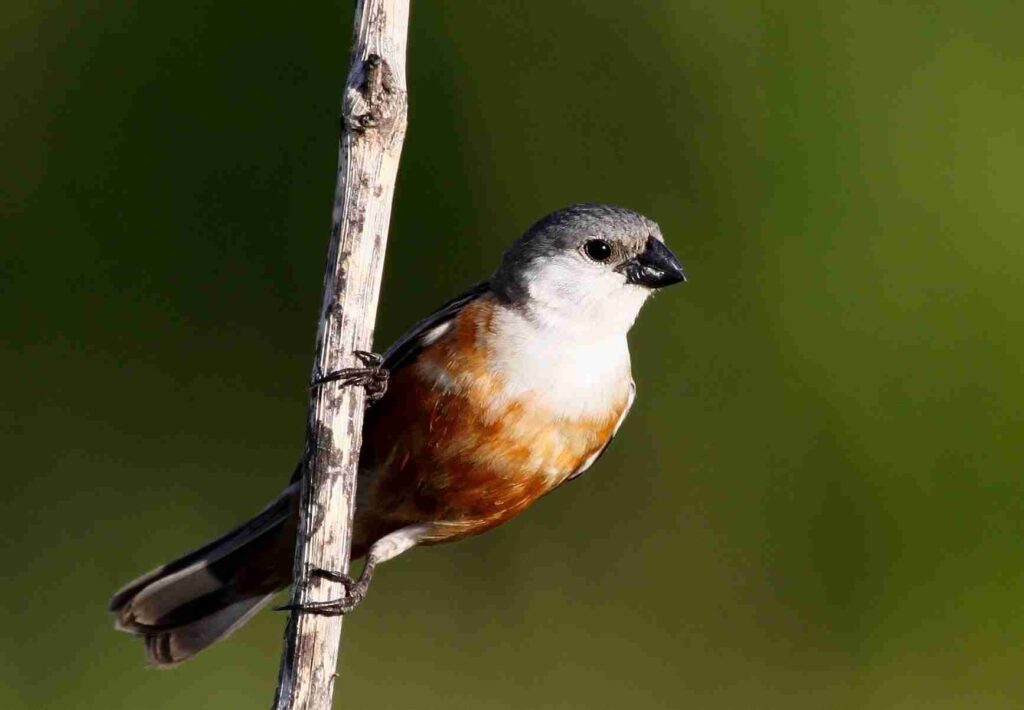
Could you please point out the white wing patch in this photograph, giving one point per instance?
(596, 455)
(430, 337)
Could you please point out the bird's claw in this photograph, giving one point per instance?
(372, 375)
(355, 592)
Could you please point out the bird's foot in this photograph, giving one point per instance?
(372, 375)
(355, 592)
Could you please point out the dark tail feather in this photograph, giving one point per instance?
(187, 605)
(168, 647)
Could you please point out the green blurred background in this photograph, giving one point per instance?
(817, 501)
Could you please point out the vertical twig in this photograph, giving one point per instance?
(372, 130)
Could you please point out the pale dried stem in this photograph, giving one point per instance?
(372, 131)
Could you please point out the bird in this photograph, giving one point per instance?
(505, 393)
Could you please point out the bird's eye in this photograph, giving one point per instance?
(597, 249)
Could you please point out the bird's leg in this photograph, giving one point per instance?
(355, 592)
(386, 548)
(372, 375)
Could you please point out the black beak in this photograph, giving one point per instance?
(655, 267)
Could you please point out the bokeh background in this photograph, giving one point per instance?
(817, 501)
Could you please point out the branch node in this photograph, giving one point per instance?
(376, 100)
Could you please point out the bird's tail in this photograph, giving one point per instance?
(190, 603)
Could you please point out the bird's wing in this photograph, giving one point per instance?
(409, 345)
(422, 334)
(591, 459)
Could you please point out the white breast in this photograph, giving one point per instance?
(572, 373)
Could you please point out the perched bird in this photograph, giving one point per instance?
(505, 393)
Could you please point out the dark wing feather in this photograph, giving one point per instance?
(411, 343)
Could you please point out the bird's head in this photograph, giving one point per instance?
(589, 265)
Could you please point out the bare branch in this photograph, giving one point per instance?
(372, 131)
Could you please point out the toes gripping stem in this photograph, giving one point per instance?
(355, 592)
(373, 376)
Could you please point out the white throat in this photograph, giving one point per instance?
(564, 339)
(575, 298)
(571, 371)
